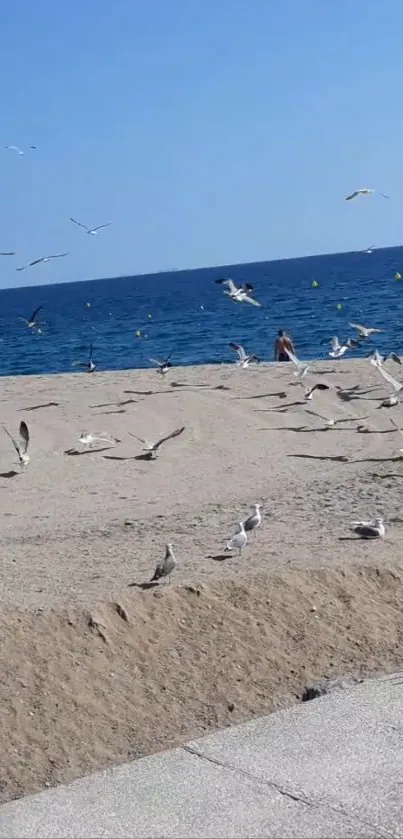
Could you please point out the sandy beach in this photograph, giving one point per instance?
(97, 670)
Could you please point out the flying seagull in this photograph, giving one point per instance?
(92, 231)
(301, 370)
(376, 358)
(152, 448)
(254, 520)
(243, 359)
(33, 323)
(365, 191)
(331, 421)
(89, 365)
(339, 349)
(90, 438)
(19, 151)
(162, 366)
(371, 249)
(370, 530)
(21, 447)
(239, 540)
(310, 392)
(241, 294)
(41, 259)
(165, 568)
(365, 331)
(397, 386)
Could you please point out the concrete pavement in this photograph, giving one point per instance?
(331, 767)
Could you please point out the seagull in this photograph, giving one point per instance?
(152, 448)
(89, 365)
(365, 191)
(89, 438)
(370, 530)
(365, 331)
(397, 386)
(162, 366)
(301, 370)
(19, 151)
(339, 349)
(310, 392)
(92, 231)
(254, 520)
(32, 323)
(331, 421)
(243, 359)
(376, 358)
(368, 250)
(21, 447)
(165, 568)
(240, 295)
(41, 259)
(240, 540)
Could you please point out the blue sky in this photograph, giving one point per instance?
(209, 132)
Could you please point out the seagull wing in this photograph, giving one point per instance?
(396, 426)
(316, 414)
(395, 384)
(34, 314)
(24, 436)
(57, 255)
(155, 361)
(140, 439)
(395, 358)
(16, 446)
(78, 223)
(34, 262)
(168, 357)
(292, 357)
(100, 226)
(21, 268)
(169, 437)
(357, 326)
(335, 343)
(247, 299)
(90, 357)
(383, 195)
(8, 253)
(229, 283)
(352, 195)
(238, 349)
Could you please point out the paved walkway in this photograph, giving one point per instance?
(331, 767)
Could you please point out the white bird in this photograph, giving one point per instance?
(41, 259)
(376, 358)
(19, 151)
(21, 447)
(89, 365)
(365, 331)
(152, 448)
(165, 568)
(92, 231)
(162, 366)
(331, 421)
(32, 322)
(254, 520)
(239, 541)
(369, 250)
(397, 386)
(370, 530)
(243, 359)
(89, 438)
(339, 349)
(365, 191)
(240, 295)
(301, 370)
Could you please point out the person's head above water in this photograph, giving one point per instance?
(281, 333)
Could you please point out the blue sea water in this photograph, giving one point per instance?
(188, 313)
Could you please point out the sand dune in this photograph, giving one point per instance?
(76, 530)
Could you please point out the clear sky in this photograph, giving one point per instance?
(208, 131)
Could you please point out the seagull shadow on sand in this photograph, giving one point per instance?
(145, 456)
(114, 404)
(218, 557)
(11, 474)
(281, 394)
(354, 539)
(104, 413)
(143, 586)
(337, 458)
(36, 407)
(77, 453)
(397, 459)
(279, 408)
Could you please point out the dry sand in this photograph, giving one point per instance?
(95, 670)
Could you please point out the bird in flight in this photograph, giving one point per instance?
(21, 447)
(243, 359)
(91, 438)
(241, 294)
(32, 322)
(89, 365)
(301, 370)
(42, 259)
(92, 231)
(310, 392)
(162, 366)
(165, 568)
(152, 448)
(19, 151)
(365, 331)
(365, 191)
(339, 349)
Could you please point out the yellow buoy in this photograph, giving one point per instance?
(315, 284)
(398, 276)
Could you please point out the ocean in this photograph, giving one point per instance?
(130, 319)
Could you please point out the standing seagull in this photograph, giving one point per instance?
(243, 359)
(21, 447)
(42, 259)
(254, 520)
(152, 448)
(33, 323)
(89, 365)
(369, 530)
(19, 151)
(365, 191)
(240, 295)
(165, 568)
(239, 541)
(92, 231)
(162, 366)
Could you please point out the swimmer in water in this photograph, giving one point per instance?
(282, 344)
